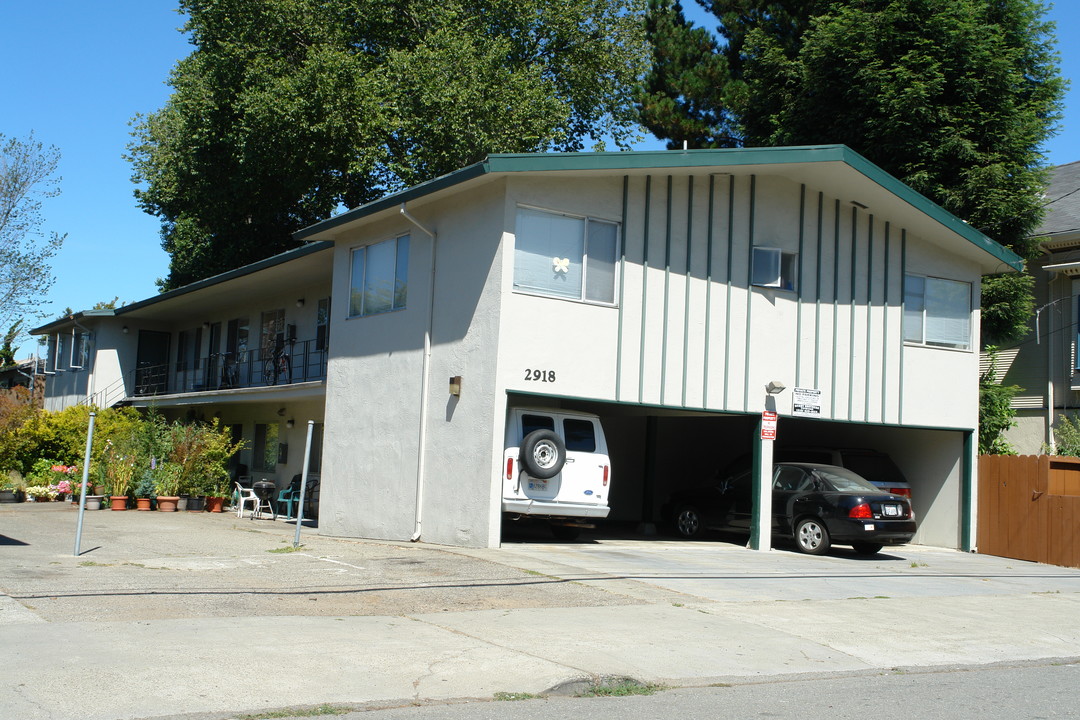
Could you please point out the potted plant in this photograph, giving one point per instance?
(63, 477)
(219, 489)
(145, 490)
(12, 488)
(120, 472)
(167, 486)
(191, 486)
(40, 493)
(41, 476)
(200, 451)
(100, 478)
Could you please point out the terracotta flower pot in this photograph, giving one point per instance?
(166, 503)
(215, 504)
(142, 503)
(118, 502)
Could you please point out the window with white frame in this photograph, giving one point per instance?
(380, 277)
(565, 256)
(772, 267)
(937, 312)
(80, 351)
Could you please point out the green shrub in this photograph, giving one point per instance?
(1067, 435)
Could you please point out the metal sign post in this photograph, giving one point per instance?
(303, 483)
(85, 476)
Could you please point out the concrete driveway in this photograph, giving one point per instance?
(722, 570)
(213, 606)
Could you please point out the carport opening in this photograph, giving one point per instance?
(656, 452)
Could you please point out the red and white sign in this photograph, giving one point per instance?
(768, 425)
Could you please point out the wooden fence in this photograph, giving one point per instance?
(1029, 508)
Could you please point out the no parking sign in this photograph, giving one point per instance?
(768, 425)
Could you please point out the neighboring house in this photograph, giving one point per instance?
(21, 374)
(662, 291)
(208, 350)
(1045, 363)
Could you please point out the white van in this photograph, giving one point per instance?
(556, 466)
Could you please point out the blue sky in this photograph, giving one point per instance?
(77, 72)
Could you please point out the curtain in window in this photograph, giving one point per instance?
(548, 253)
(600, 268)
(948, 313)
(914, 290)
(380, 275)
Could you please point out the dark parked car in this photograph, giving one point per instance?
(877, 467)
(815, 505)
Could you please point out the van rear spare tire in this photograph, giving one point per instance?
(543, 454)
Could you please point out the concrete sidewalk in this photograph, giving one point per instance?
(172, 614)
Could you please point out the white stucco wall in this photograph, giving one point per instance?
(373, 407)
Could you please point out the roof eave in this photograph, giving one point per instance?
(658, 159)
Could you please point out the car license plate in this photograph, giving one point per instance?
(890, 510)
(538, 485)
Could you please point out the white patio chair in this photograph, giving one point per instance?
(243, 497)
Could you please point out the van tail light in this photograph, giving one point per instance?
(906, 492)
(509, 468)
(606, 471)
(861, 512)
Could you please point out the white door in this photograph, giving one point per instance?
(582, 477)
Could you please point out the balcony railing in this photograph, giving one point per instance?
(297, 362)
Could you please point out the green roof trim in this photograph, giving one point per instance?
(68, 319)
(254, 267)
(667, 159)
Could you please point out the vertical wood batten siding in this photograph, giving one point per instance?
(691, 334)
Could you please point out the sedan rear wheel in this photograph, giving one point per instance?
(688, 522)
(811, 537)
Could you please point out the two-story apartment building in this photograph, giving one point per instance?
(662, 291)
(248, 346)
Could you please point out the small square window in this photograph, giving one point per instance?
(937, 312)
(773, 267)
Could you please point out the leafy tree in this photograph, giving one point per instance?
(1007, 305)
(996, 414)
(27, 175)
(289, 109)
(695, 91)
(16, 410)
(1067, 437)
(108, 304)
(7, 349)
(684, 95)
(954, 97)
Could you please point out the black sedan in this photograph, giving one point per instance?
(815, 505)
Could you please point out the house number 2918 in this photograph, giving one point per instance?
(540, 375)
